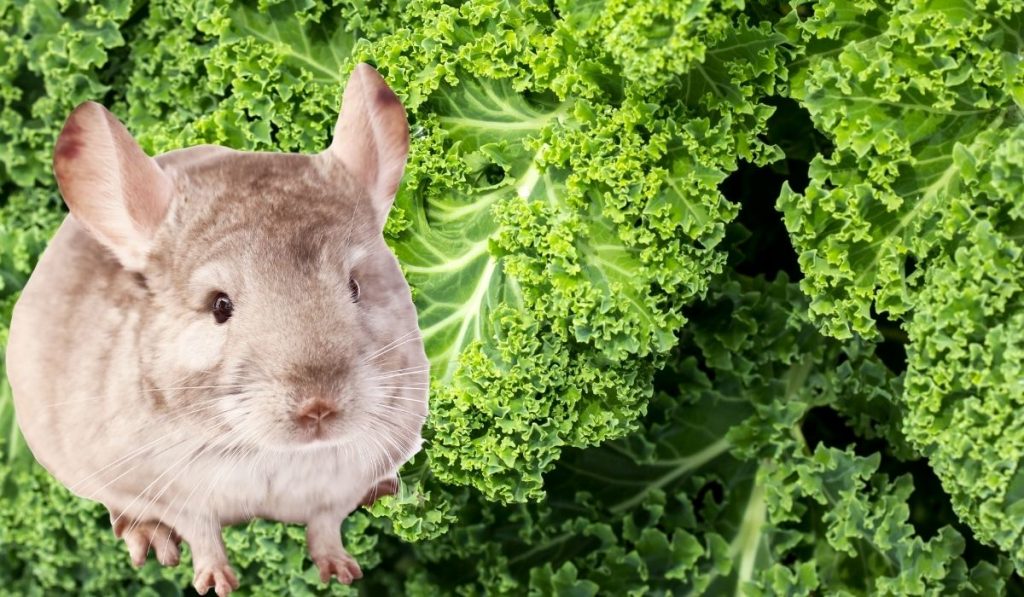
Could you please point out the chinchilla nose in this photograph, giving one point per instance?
(315, 412)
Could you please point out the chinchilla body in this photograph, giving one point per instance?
(216, 335)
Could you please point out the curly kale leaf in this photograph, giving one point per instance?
(964, 385)
(910, 94)
(562, 210)
(720, 492)
(917, 213)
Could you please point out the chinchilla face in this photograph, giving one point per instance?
(274, 314)
(270, 288)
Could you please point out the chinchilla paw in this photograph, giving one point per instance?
(152, 534)
(218, 575)
(339, 564)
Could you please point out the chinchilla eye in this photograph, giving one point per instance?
(221, 307)
(354, 287)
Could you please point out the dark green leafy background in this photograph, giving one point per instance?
(721, 297)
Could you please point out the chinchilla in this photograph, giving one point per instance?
(216, 335)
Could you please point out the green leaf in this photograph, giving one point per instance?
(904, 114)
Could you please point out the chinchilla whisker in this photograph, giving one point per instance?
(362, 454)
(367, 456)
(404, 374)
(102, 396)
(419, 393)
(401, 372)
(389, 346)
(167, 486)
(414, 386)
(403, 429)
(212, 481)
(254, 463)
(91, 398)
(133, 467)
(415, 400)
(123, 460)
(401, 410)
(217, 386)
(137, 452)
(411, 431)
(387, 454)
(376, 464)
(200, 406)
(402, 369)
(406, 341)
(260, 455)
(245, 440)
(382, 456)
(147, 488)
(403, 398)
(391, 441)
(373, 493)
(395, 408)
(393, 426)
(181, 509)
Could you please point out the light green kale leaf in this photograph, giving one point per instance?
(909, 93)
(559, 218)
(720, 492)
(965, 379)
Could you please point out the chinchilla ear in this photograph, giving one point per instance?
(110, 185)
(371, 137)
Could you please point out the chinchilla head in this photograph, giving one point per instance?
(273, 312)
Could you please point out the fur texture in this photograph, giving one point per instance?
(298, 408)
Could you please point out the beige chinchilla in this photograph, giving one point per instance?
(217, 335)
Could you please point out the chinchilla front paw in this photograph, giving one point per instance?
(328, 552)
(217, 575)
(340, 564)
(140, 537)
